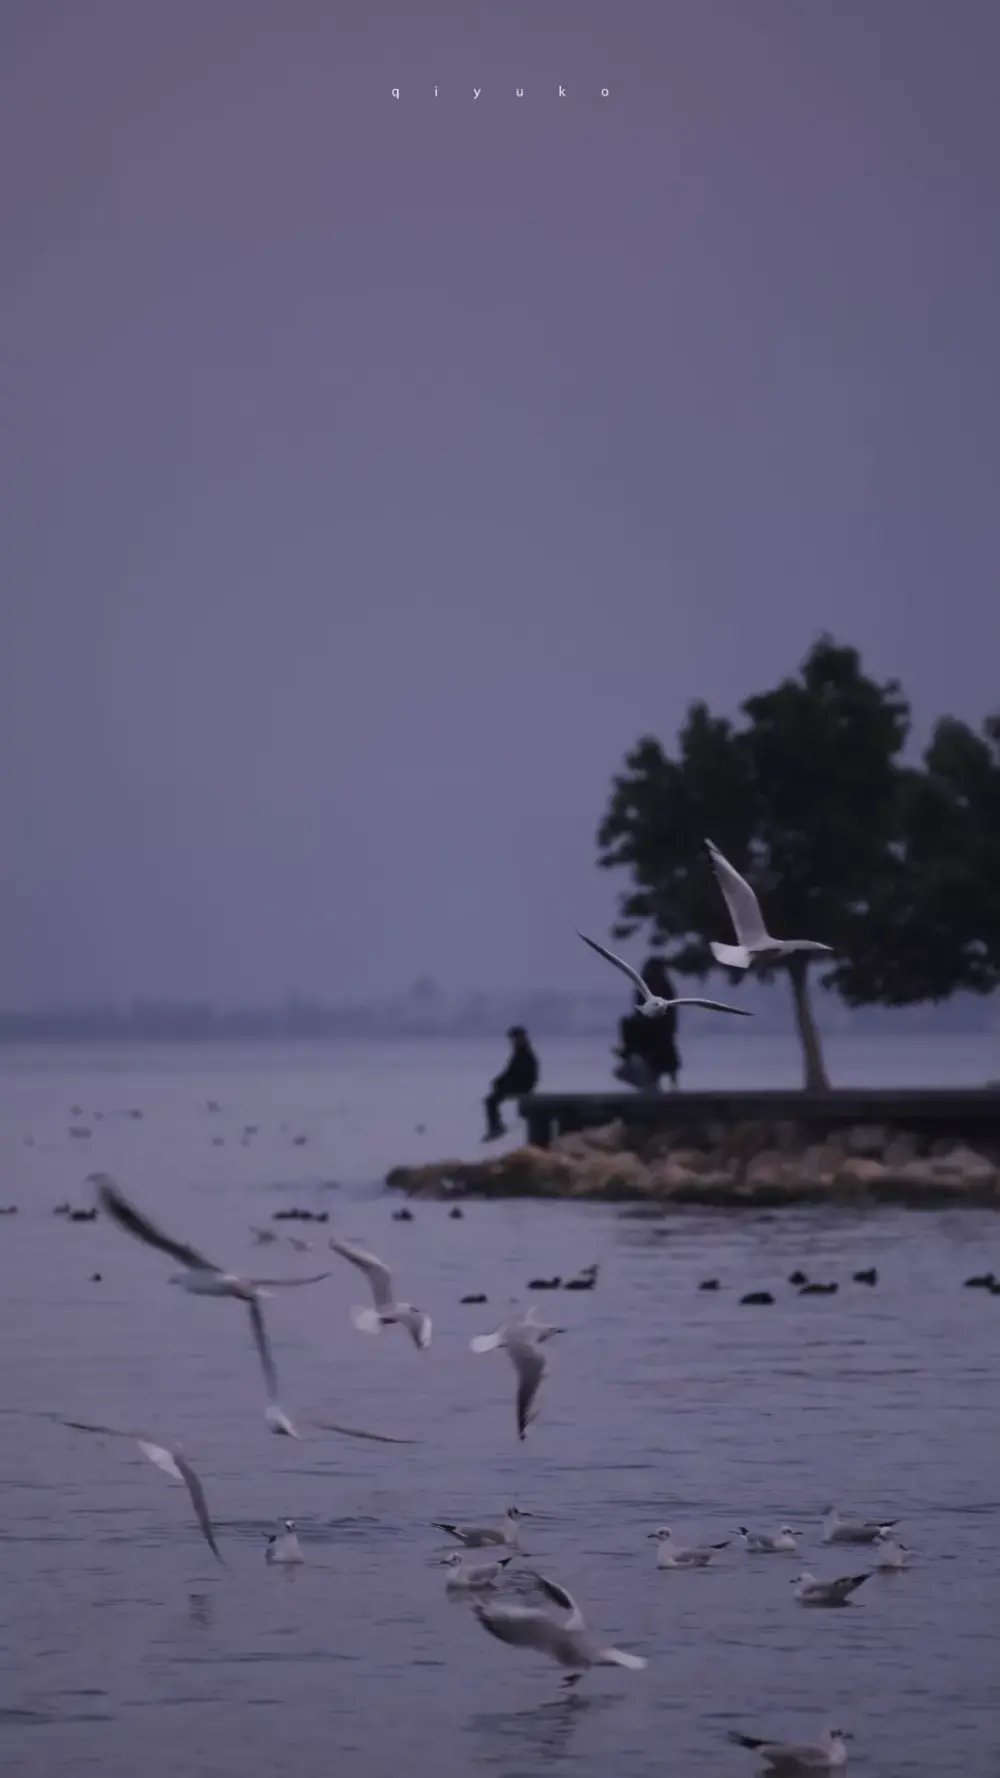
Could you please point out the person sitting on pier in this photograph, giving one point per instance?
(520, 1076)
(648, 1047)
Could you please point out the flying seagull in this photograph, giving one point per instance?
(201, 1277)
(172, 1461)
(570, 1643)
(653, 1006)
(828, 1754)
(748, 921)
(520, 1339)
(386, 1311)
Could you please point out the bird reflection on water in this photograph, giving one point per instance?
(545, 1730)
(201, 1610)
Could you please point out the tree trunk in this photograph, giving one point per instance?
(816, 1080)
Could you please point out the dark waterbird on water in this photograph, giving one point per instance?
(585, 1280)
(757, 1296)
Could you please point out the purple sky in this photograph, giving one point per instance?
(376, 472)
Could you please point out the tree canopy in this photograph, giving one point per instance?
(808, 799)
(935, 923)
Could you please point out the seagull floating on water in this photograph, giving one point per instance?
(172, 1461)
(284, 1547)
(828, 1754)
(672, 1555)
(810, 1591)
(201, 1277)
(520, 1339)
(838, 1530)
(893, 1556)
(748, 921)
(653, 1005)
(770, 1543)
(466, 1577)
(571, 1644)
(476, 1537)
(386, 1311)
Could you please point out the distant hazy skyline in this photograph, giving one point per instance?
(377, 470)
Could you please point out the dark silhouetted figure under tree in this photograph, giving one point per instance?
(648, 1047)
(806, 799)
(519, 1077)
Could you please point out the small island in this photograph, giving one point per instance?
(754, 1163)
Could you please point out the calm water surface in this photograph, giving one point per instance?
(126, 1649)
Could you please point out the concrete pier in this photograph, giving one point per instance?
(962, 1113)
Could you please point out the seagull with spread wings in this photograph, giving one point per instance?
(387, 1312)
(754, 940)
(521, 1338)
(570, 1643)
(172, 1461)
(202, 1277)
(653, 1006)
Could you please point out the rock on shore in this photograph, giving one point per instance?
(752, 1164)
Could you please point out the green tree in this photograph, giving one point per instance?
(935, 925)
(805, 799)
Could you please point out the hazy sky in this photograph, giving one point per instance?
(376, 471)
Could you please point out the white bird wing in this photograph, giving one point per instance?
(619, 963)
(198, 1501)
(530, 1364)
(714, 1006)
(159, 1454)
(378, 1275)
(172, 1462)
(559, 1596)
(523, 1626)
(115, 1204)
(263, 1346)
(418, 1325)
(744, 908)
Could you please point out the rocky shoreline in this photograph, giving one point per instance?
(749, 1165)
